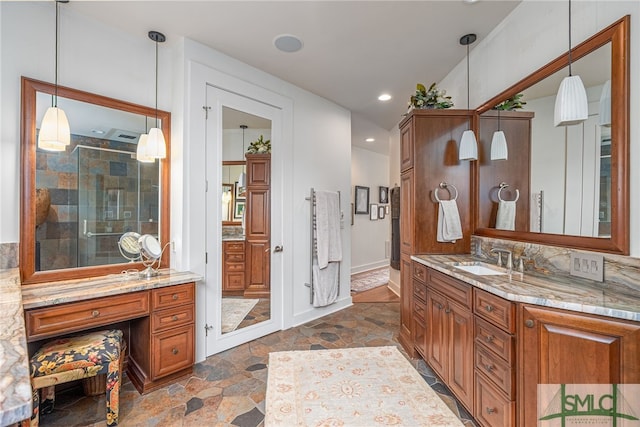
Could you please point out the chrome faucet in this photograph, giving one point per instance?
(509, 264)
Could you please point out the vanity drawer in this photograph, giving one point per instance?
(497, 310)
(173, 295)
(419, 271)
(77, 316)
(497, 370)
(234, 267)
(495, 339)
(172, 351)
(420, 291)
(452, 288)
(234, 257)
(492, 409)
(419, 310)
(234, 247)
(171, 317)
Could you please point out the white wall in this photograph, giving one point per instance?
(369, 239)
(531, 36)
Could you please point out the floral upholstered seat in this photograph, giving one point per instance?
(73, 358)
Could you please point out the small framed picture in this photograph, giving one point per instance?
(241, 192)
(386, 209)
(373, 212)
(383, 195)
(362, 200)
(352, 213)
(381, 212)
(238, 209)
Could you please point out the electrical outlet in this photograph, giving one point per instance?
(588, 266)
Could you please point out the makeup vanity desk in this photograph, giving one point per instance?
(157, 316)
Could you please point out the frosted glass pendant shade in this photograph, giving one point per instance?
(156, 146)
(571, 102)
(468, 146)
(605, 104)
(141, 152)
(499, 146)
(55, 133)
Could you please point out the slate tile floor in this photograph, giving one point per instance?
(228, 389)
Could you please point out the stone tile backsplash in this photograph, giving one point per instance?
(552, 260)
(8, 255)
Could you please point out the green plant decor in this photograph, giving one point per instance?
(431, 98)
(260, 146)
(513, 103)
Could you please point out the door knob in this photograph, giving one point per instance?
(278, 249)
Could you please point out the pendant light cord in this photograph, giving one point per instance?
(569, 37)
(156, 83)
(55, 97)
(468, 91)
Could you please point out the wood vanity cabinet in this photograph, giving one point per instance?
(559, 347)
(258, 226)
(233, 267)
(449, 333)
(419, 308)
(429, 156)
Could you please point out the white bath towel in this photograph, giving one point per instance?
(449, 226)
(328, 238)
(506, 217)
(326, 282)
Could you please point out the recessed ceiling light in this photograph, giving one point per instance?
(384, 97)
(370, 139)
(287, 43)
(97, 131)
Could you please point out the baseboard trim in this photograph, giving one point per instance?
(370, 266)
(394, 287)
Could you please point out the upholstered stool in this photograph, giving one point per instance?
(73, 358)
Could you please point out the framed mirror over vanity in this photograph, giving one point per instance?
(570, 184)
(75, 204)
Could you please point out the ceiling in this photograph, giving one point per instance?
(353, 50)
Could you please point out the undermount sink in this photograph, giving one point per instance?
(478, 268)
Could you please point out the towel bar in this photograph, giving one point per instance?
(448, 187)
(504, 185)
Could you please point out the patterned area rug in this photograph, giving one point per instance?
(369, 279)
(234, 310)
(367, 386)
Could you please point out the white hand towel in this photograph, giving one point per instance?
(506, 216)
(449, 226)
(328, 238)
(326, 282)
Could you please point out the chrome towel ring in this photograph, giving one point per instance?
(504, 185)
(449, 187)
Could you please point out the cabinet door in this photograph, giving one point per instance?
(406, 212)
(258, 269)
(437, 343)
(406, 146)
(258, 217)
(406, 306)
(560, 347)
(460, 324)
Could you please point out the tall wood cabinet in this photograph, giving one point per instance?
(258, 226)
(428, 156)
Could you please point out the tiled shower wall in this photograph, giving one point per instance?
(552, 260)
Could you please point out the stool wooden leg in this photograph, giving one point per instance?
(35, 414)
(113, 392)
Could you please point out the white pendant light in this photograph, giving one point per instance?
(468, 144)
(242, 179)
(156, 145)
(55, 133)
(571, 102)
(605, 104)
(499, 144)
(141, 152)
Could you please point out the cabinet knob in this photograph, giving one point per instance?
(491, 410)
(489, 308)
(175, 297)
(489, 338)
(447, 310)
(174, 351)
(528, 323)
(95, 313)
(439, 306)
(174, 318)
(489, 367)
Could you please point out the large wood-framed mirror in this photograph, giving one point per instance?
(586, 205)
(76, 204)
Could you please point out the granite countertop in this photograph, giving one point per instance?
(15, 385)
(46, 294)
(569, 293)
(233, 237)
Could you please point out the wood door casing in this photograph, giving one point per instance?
(559, 347)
